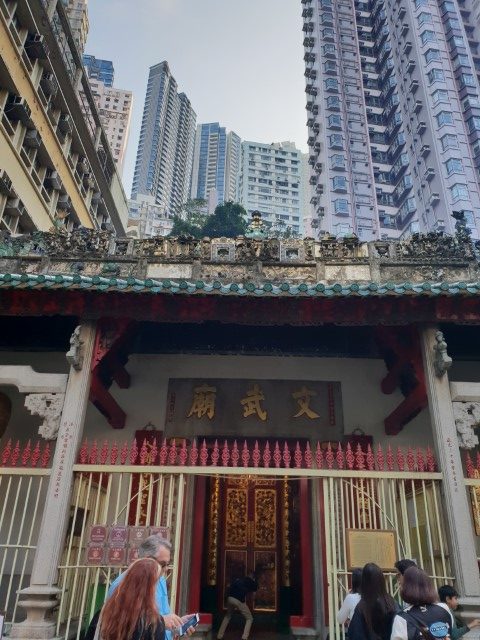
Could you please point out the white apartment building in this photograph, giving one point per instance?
(163, 167)
(147, 219)
(273, 182)
(77, 12)
(393, 101)
(115, 109)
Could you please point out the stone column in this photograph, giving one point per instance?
(457, 510)
(40, 598)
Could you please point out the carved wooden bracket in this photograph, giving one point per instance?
(400, 347)
(108, 364)
(49, 407)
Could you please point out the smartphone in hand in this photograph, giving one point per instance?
(191, 622)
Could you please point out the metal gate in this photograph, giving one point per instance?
(109, 495)
(409, 506)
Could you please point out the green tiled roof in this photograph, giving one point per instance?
(215, 287)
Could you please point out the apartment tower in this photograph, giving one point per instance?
(273, 182)
(98, 69)
(165, 149)
(216, 162)
(393, 115)
(77, 13)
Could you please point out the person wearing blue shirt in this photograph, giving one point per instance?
(160, 550)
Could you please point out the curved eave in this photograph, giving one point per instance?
(234, 289)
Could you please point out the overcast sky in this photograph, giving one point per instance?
(239, 61)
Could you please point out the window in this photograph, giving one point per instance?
(336, 141)
(339, 183)
(428, 36)
(469, 218)
(440, 96)
(330, 65)
(444, 117)
(333, 102)
(459, 192)
(432, 55)
(436, 75)
(334, 121)
(473, 124)
(447, 6)
(467, 80)
(328, 32)
(340, 206)
(449, 141)
(338, 161)
(331, 84)
(461, 60)
(454, 165)
(328, 49)
(452, 23)
(424, 18)
(420, 3)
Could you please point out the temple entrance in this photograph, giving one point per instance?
(253, 524)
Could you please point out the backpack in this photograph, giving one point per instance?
(426, 627)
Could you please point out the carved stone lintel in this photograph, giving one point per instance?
(49, 407)
(442, 361)
(467, 418)
(75, 354)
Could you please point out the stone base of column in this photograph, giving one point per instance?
(470, 610)
(39, 603)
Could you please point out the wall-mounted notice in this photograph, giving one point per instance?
(368, 545)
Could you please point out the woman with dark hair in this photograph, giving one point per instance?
(425, 617)
(131, 613)
(374, 613)
(351, 599)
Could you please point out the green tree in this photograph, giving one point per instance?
(190, 219)
(228, 221)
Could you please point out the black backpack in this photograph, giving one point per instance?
(429, 622)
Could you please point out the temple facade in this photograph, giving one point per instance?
(297, 406)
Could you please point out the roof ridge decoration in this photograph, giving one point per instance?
(82, 244)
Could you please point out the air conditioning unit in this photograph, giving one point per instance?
(96, 197)
(417, 107)
(49, 84)
(32, 139)
(64, 203)
(36, 47)
(88, 181)
(425, 150)
(434, 199)
(5, 184)
(17, 109)
(65, 123)
(82, 165)
(421, 127)
(52, 180)
(14, 207)
(429, 174)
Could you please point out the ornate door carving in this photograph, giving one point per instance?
(250, 537)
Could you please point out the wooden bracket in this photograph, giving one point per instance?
(400, 347)
(112, 344)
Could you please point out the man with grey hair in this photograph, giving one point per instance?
(160, 550)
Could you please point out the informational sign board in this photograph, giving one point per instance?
(117, 545)
(368, 545)
(259, 408)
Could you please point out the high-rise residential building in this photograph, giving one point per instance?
(115, 109)
(216, 163)
(147, 219)
(98, 69)
(165, 150)
(393, 102)
(77, 12)
(56, 168)
(272, 181)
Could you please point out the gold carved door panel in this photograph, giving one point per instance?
(250, 535)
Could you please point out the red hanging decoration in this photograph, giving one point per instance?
(308, 456)
(225, 454)
(277, 456)
(297, 456)
(267, 456)
(203, 454)
(26, 453)
(235, 454)
(245, 454)
(256, 454)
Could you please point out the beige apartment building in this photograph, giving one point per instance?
(56, 167)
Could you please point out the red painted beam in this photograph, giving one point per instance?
(196, 555)
(106, 404)
(415, 402)
(306, 559)
(392, 379)
(121, 376)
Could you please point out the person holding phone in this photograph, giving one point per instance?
(132, 612)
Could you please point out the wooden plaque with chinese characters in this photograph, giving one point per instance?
(369, 545)
(253, 408)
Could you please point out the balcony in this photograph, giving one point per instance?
(18, 110)
(35, 47)
(5, 184)
(32, 139)
(49, 84)
(15, 208)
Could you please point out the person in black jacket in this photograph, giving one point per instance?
(236, 600)
(374, 614)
